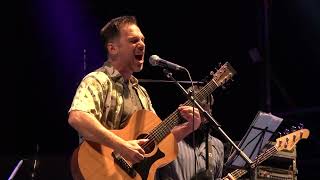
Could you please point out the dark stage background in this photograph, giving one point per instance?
(50, 45)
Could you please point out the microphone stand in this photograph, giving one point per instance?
(15, 170)
(168, 74)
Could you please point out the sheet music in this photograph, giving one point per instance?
(257, 136)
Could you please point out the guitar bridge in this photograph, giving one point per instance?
(124, 165)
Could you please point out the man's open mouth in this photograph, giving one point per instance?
(138, 57)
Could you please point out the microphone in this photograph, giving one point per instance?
(155, 60)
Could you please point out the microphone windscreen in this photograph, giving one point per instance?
(153, 60)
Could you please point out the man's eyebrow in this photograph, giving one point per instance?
(136, 37)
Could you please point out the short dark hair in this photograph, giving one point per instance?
(112, 29)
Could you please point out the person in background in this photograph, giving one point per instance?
(194, 151)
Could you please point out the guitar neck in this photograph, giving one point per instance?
(205, 91)
(164, 128)
(262, 157)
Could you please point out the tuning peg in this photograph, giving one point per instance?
(286, 131)
(279, 134)
(300, 126)
(218, 67)
(190, 92)
(293, 128)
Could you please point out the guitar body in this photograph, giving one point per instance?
(92, 161)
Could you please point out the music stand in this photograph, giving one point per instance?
(260, 131)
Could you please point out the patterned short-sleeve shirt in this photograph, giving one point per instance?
(100, 94)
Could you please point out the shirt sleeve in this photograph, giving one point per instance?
(89, 97)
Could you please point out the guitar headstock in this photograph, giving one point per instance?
(288, 141)
(223, 74)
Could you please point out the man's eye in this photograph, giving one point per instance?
(136, 40)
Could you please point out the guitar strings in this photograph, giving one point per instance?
(262, 157)
(172, 120)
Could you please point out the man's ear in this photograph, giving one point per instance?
(112, 48)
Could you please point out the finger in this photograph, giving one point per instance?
(189, 114)
(182, 107)
(142, 141)
(140, 150)
(195, 110)
(183, 110)
(185, 115)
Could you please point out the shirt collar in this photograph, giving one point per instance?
(116, 76)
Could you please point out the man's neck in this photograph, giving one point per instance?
(123, 71)
(126, 75)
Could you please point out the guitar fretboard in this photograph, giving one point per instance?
(262, 157)
(164, 128)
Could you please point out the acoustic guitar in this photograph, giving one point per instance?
(92, 161)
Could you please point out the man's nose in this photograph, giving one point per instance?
(141, 46)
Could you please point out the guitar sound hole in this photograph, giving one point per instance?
(148, 146)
